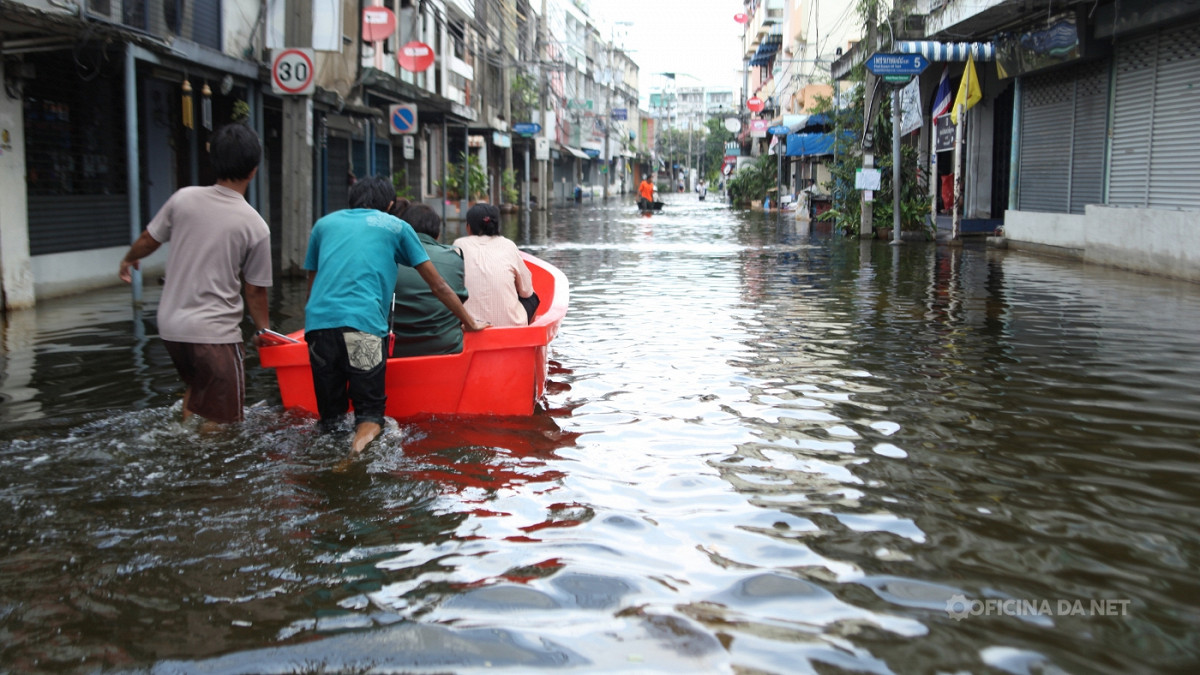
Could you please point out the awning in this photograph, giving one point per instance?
(949, 51)
(812, 144)
(574, 151)
(767, 49)
(811, 122)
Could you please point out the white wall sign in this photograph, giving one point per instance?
(910, 107)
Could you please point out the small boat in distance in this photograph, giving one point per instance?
(500, 371)
(654, 206)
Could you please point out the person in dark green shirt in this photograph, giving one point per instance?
(421, 323)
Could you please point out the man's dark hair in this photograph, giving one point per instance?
(372, 192)
(234, 151)
(424, 220)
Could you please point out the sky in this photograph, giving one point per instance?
(698, 40)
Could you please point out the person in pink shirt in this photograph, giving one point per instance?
(496, 277)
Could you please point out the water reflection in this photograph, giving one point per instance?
(762, 450)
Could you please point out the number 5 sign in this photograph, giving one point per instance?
(292, 71)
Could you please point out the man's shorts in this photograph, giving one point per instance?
(348, 366)
(215, 376)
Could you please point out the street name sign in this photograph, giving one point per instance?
(897, 64)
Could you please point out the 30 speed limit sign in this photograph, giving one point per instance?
(292, 71)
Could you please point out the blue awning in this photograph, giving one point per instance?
(767, 49)
(812, 144)
(812, 122)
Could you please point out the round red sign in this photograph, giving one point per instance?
(755, 104)
(378, 24)
(415, 56)
(741, 17)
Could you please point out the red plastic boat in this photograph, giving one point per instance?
(501, 371)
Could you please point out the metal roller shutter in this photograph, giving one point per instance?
(1063, 120)
(76, 178)
(1156, 151)
(1090, 127)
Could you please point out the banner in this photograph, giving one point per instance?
(911, 117)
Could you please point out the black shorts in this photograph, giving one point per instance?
(349, 367)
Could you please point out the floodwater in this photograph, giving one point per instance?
(762, 450)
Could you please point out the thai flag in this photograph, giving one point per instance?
(941, 104)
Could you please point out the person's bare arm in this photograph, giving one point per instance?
(258, 307)
(312, 274)
(144, 246)
(449, 298)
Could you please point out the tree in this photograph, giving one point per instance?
(715, 138)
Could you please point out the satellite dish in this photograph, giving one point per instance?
(733, 124)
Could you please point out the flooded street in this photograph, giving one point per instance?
(762, 450)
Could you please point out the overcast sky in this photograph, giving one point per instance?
(696, 39)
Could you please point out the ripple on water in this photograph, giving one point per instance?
(763, 450)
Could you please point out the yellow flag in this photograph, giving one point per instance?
(968, 89)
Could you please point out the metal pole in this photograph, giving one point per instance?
(934, 179)
(778, 174)
(895, 165)
(525, 183)
(445, 167)
(608, 119)
(466, 195)
(956, 215)
(132, 163)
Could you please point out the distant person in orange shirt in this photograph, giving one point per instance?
(646, 195)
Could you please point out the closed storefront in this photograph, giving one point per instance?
(75, 152)
(1062, 138)
(1156, 149)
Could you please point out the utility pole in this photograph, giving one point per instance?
(608, 116)
(506, 87)
(543, 41)
(297, 145)
(867, 224)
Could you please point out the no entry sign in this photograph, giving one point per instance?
(415, 56)
(378, 24)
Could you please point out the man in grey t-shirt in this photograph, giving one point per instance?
(219, 244)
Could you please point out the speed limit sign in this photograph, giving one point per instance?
(292, 71)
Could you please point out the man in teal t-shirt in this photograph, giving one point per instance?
(352, 263)
(421, 323)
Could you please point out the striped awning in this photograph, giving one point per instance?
(767, 49)
(949, 51)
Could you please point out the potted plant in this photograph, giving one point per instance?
(749, 185)
(400, 182)
(508, 190)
